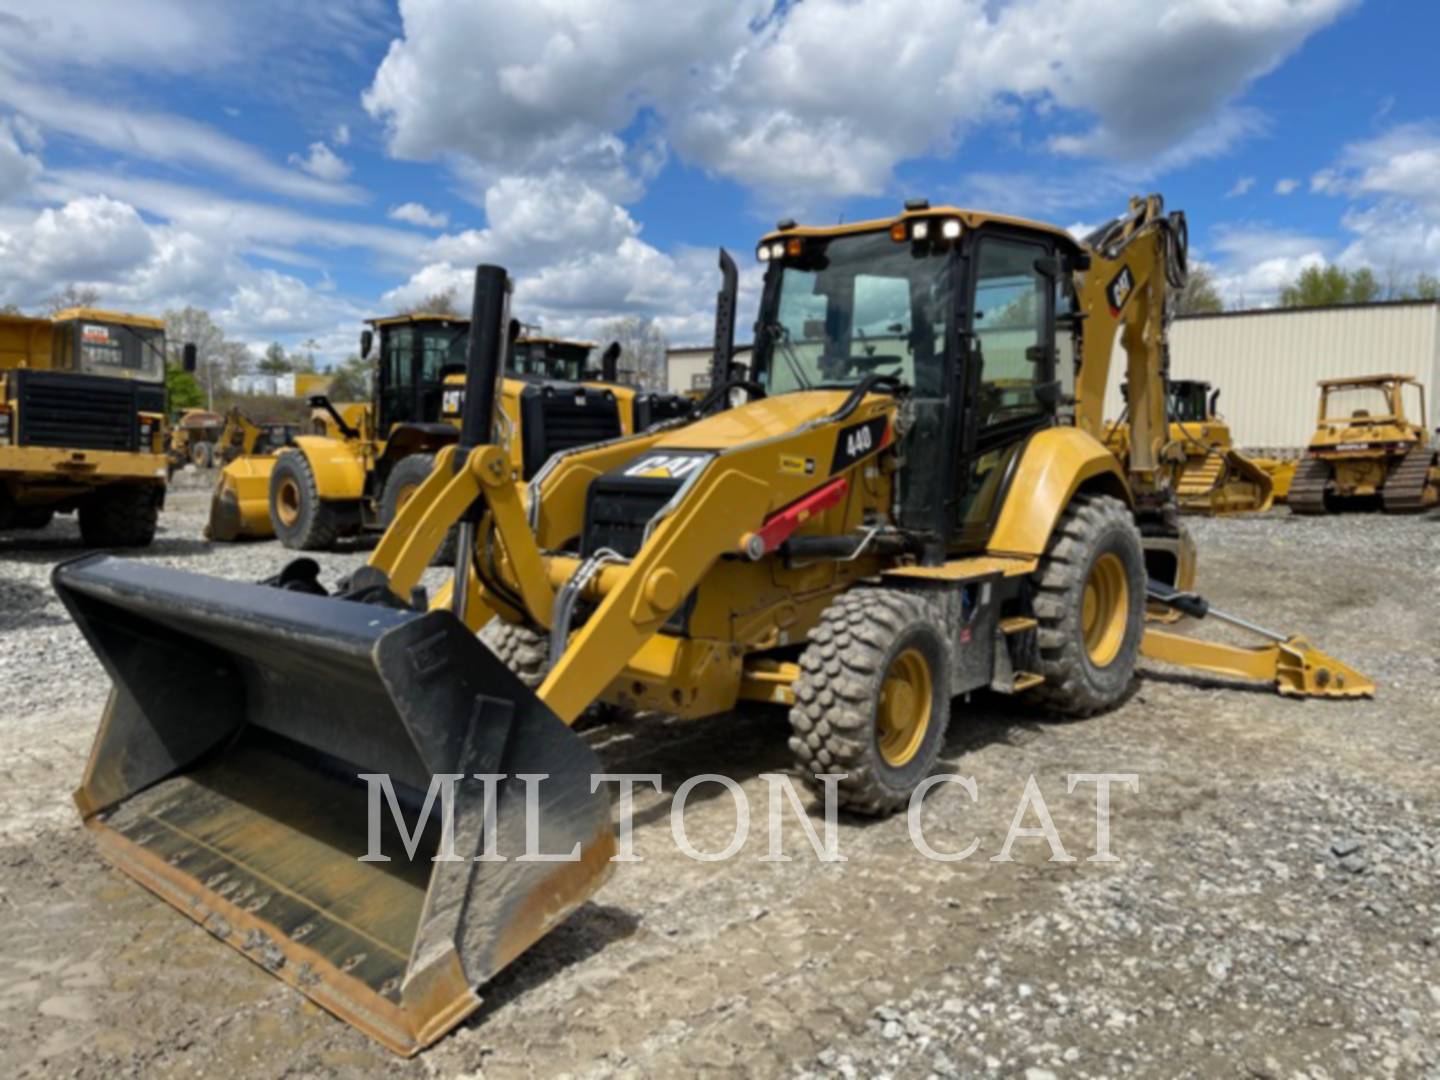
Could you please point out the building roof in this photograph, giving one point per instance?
(1303, 310)
(1366, 380)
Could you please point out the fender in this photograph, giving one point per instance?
(338, 465)
(1055, 464)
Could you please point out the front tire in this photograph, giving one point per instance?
(120, 515)
(302, 520)
(407, 475)
(1090, 604)
(873, 698)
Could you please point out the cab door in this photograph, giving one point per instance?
(1009, 368)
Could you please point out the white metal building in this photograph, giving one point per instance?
(688, 367)
(1267, 362)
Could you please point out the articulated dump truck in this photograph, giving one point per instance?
(887, 510)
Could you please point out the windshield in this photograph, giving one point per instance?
(855, 305)
(109, 348)
(1357, 402)
(550, 359)
(442, 348)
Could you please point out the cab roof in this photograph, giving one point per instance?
(124, 318)
(1367, 380)
(971, 219)
(538, 340)
(415, 317)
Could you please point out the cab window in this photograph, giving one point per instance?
(1012, 332)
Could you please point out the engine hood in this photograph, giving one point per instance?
(754, 421)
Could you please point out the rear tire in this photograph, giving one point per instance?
(202, 454)
(1090, 604)
(302, 520)
(873, 698)
(119, 515)
(33, 517)
(408, 474)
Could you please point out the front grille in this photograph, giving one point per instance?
(64, 410)
(556, 417)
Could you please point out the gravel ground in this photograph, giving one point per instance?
(1274, 910)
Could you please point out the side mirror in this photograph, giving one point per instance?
(1049, 266)
(367, 340)
(187, 358)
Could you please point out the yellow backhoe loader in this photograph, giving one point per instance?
(1370, 447)
(889, 521)
(83, 423)
(1210, 476)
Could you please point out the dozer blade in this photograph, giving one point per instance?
(226, 778)
(240, 504)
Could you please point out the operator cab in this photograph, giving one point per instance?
(1189, 401)
(954, 311)
(417, 352)
(109, 343)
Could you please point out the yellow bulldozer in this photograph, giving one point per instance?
(870, 534)
(83, 423)
(1209, 475)
(1371, 447)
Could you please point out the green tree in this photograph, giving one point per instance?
(182, 390)
(1426, 287)
(1364, 288)
(1322, 286)
(275, 362)
(1200, 296)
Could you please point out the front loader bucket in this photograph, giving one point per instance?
(240, 504)
(229, 776)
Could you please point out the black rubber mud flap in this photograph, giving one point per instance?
(227, 777)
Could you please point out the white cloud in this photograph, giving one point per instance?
(154, 35)
(341, 135)
(414, 213)
(323, 163)
(1286, 186)
(1393, 214)
(805, 97)
(163, 137)
(18, 170)
(1241, 187)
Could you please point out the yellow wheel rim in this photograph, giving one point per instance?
(287, 501)
(1105, 610)
(903, 715)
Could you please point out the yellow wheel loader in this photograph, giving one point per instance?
(1371, 445)
(542, 413)
(873, 533)
(1210, 475)
(82, 423)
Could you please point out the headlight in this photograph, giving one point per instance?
(950, 230)
(920, 230)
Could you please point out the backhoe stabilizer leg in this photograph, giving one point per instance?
(1291, 664)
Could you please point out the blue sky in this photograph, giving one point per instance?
(294, 171)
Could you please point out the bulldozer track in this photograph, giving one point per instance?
(1407, 486)
(1307, 490)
